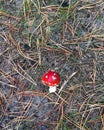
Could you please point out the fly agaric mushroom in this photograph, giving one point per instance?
(51, 79)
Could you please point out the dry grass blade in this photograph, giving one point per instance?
(61, 118)
(86, 100)
(74, 123)
(65, 82)
(12, 86)
(8, 15)
(22, 53)
(61, 47)
(11, 26)
(59, 97)
(23, 73)
(25, 113)
(91, 5)
(39, 52)
(36, 29)
(1, 53)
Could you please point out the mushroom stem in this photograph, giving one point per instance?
(52, 89)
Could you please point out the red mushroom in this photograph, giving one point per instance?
(51, 79)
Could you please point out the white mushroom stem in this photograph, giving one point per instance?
(52, 89)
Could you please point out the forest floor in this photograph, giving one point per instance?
(40, 35)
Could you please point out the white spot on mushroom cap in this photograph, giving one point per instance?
(46, 76)
(53, 77)
(54, 74)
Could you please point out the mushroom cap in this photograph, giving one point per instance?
(51, 78)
